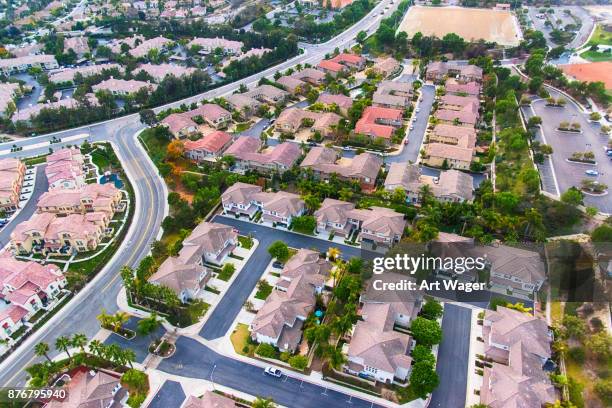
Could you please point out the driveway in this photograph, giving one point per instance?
(453, 356)
(224, 314)
(193, 359)
(139, 344)
(40, 186)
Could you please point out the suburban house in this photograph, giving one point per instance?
(214, 115)
(376, 225)
(160, 71)
(331, 67)
(352, 61)
(210, 146)
(90, 198)
(247, 152)
(441, 155)
(268, 94)
(27, 287)
(362, 168)
(468, 116)
(47, 233)
(11, 66)
(293, 85)
(92, 388)
(277, 208)
(122, 87)
(461, 136)
(280, 320)
(130, 42)
(66, 75)
(391, 94)
(519, 345)
(180, 125)
(376, 351)
(157, 43)
(450, 186)
(64, 169)
(186, 274)
(244, 104)
(515, 270)
(310, 75)
(209, 45)
(292, 119)
(8, 95)
(386, 66)
(27, 113)
(343, 102)
(452, 86)
(437, 71)
(77, 44)
(12, 173)
(209, 400)
(379, 122)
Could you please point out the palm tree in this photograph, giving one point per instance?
(105, 319)
(42, 349)
(128, 356)
(148, 325)
(333, 253)
(63, 343)
(113, 353)
(119, 319)
(96, 347)
(336, 272)
(263, 403)
(336, 358)
(79, 340)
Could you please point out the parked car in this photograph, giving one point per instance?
(406, 141)
(278, 264)
(592, 173)
(273, 371)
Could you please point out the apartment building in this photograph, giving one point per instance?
(392, 94)
(438, 71)
(12, 173)
(11, 66)
(292, 119)
(122, 87)
(64, 169)
(209, 45)
(249, 156)
(104, 198)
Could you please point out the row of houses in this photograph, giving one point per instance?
(12, 174)
(73, 216)
(452, 140)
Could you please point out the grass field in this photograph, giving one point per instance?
(595, 56)
(469, 23)
(601, 37)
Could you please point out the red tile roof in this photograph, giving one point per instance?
(331, 66)
(213, 142)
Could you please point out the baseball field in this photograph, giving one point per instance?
(469, 23)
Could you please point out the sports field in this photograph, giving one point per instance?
(595, 71)
(471, 24)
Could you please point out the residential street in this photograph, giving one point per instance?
(227, 310)
(193, 359)
(453, 356)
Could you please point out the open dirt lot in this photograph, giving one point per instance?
(468, 23)
(592, 72)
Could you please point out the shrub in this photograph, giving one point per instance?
(299, 362)
(577, 354)
(266, 350)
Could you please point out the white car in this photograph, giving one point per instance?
(592, 173)
(411, 127)
(273, 371)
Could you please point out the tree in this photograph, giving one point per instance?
(432, 309)
(574, 326)
(135, 380)
(119, 319)
(96, 347)
(299, 362)
(266, 350)
(63, 343)
(79, 340)
(312, 202)
(603, 233)
(423, 379)
(263, 403)
(572, 196)
(600, 344)
(42, 349)
(279, 250)
(426, 332)
(595, 116)
(175, 150)
(422, 353)
(129, 356)
(148, 117)
(361, 37)
(603, 388)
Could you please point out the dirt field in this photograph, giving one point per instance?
(595, 71)
(468, 23)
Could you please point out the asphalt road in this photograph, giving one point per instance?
(79, 315)
(453, 356)
(170, 395)
(40, 186)
(564, 144)
(581, 36)
(224, 314)
(193, 359)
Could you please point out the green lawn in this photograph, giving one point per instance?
(263, 290)
(100, 160)
(601, 37)
(595, 56)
